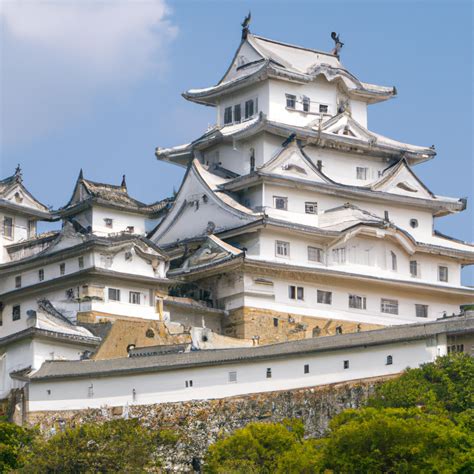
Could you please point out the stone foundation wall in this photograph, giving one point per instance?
(272, 326)
(200, 423)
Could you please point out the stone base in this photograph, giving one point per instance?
(272, 326)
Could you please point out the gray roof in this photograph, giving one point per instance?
(125, 366)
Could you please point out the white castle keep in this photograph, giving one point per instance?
(294, 224)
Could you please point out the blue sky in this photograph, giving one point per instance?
(98, 85)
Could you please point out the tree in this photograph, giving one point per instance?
(395, 440)
(446, 384)
(113, 446)
(13, 439)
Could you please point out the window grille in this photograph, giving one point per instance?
(311, 207)
(357, 302)
(389, 306)
(421, 310)
(282, 249)
(290, 101)
(324, 297)
(315, 254)
(362, 173)
(114, 294)
(134, 297)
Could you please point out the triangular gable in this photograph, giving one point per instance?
(400, 179)
(201, 209)
(67, 238)
(291, 162)
(20, 196)
(344, 125)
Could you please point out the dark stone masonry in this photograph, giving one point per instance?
(199, 423)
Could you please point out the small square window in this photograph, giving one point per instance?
(41, 274)
(282, 249)
(421, 310)
(269, 373)
(315, 254)
(346, 364)
(362, 173)
(134, 297)
(114, 294)
(232, 377)
(109, 223)
(62, 268)
(237, 113)
(306, 368)
(323, 109)
(227, 115)
(306, 104)
(311, 207)
(324, 297)
(280, 202)
(389, 306)
(18, 281)
(249, 108)
(16, 312)
(443, 273)
(291, 101)
(80, 262)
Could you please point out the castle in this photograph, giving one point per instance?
(300, 247)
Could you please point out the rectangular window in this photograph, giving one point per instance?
(227, 115)
(324, 297)
(389, 306)
(393, 256)
(275, 322)
(339, 255)
(315, 254)
(311, 207)
(421, 310)
(346, 364)
(282, 249)
(306, 368)
(62, 268)
(306, 104)
(232, 376)
(8, 227)
(80, 262)
(188, 383)
(109, 223)
(18, 281)
(16, 312)
(442, 273)
(249, 108)
(269, 373)
(134, 297)
(41, 274)
(323, 109)
(362, 173)
(413, 268)
(31, 229)
(237, 113)
(114, 294)
(357, 302)
(296, 292)
(291, 101)
(280, 202)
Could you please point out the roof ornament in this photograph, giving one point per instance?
(18, 174)
(124, 183)
(338, 44)
(245, 26)
(81, 175)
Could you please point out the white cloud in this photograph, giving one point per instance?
(57, 56)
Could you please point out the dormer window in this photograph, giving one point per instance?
(323, 109)
(237, 113)
(228, 115)
(8, 227)
(249, 108)
(290, 101)
(306, 104)
(109, 223)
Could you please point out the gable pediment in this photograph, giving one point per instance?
(291, 163)
(343, 125)
(18, 195)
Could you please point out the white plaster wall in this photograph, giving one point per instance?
(121, 220)
(20, 232)
(212, 382)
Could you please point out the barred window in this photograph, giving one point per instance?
(421, 310)
(134, 297)
(324, 297)
(315, 254)
(232, 376)
(282, 249)
(306, 104)
(311, 207)
(291, 101)
(339, 255)
(413, 268)
(394, 261)
(227, 115)
(442, 273)
(280, 202)
(18, 281)
(16, 312)
(389, 306)
(357, 302)
(62, 268)
(295, 292)
(41, 274)
(362, 173)
(237, 113)
(8, 227)
(323, 109)
(249, 108)
(114, 294)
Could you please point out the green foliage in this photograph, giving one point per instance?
(114, 446)
(446, 384)
(13, 438)
(263, 448)
(395, 440)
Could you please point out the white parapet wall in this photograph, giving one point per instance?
(224, 373)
